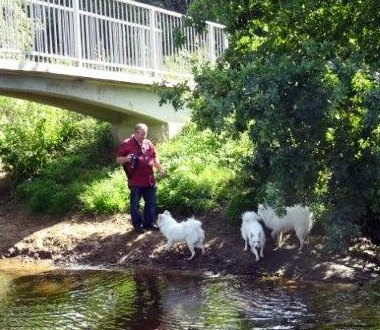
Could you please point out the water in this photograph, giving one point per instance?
(150, 299)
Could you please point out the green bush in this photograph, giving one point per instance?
(32, 136)
(202, 168)
(51, 154)
(106, 195)
(191, 191)
(48, 196)
(58, 187)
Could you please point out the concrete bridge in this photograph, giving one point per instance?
(101, 58)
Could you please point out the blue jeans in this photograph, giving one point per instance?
(149, 196)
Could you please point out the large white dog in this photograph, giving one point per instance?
(253, 233)
(297, 218)
(189, 232)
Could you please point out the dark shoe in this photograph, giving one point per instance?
(152, 227)
(138, 230)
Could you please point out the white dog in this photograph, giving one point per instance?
(253, 233)
(189, 231)
(297, 218)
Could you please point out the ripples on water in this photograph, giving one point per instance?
(148, 299)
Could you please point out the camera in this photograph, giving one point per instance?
(133, 160)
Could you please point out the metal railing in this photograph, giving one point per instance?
(109, 35)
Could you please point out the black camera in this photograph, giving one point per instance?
(133, 160)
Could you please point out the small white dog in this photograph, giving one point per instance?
(253, 233)
(189, 231)
(297, 218)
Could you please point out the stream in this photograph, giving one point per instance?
(85, 298)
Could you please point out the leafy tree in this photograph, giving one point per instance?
(179, 6)
(303, 77)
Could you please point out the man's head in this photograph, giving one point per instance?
(141, 132)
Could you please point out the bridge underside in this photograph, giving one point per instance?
(123, 104)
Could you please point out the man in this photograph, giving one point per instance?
(138, 157)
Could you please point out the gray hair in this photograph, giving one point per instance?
(141, 126)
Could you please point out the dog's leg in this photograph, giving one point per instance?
(191, 247)
(168, 245)
(262, 251)
(246, 245)
(262, 244)
(273, 234)
(201, 246)
(301, 237)
(279, 240)
(277, 236)
(255, 253)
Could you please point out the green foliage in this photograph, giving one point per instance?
(303, 77)
(106, 193)
(201, 170)
(48, 196)
(175, 95)
(59, 187)
(340, 229)
(33, 135)
(51, 154)
(189, 190)
(80, 174)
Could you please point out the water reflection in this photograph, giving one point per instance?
(346, 306)
(149, 299)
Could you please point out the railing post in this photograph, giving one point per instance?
(153, 41)
(211, 42)
(225, 41)
(77, 33)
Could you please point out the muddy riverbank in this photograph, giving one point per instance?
(108, 240)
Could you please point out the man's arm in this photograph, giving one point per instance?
(158, 166)
(123, 159)
(123, 155)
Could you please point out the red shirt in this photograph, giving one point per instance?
(142, 174)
